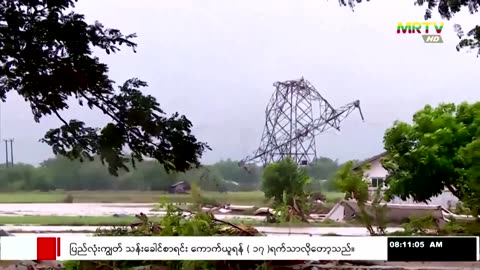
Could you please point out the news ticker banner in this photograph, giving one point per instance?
(240, 248)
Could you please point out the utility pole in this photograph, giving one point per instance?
(11, 152)
(6, 153)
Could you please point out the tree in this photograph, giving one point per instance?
(471, 173)
(322, 171)
(60, 172)
(438, 150)
(247, 176)
(284, 181)
(447, 9)
(322, 168)
(352, 183)
(46, 50)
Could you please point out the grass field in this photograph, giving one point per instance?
(239, 198)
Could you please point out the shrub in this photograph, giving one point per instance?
(68, 199)
(199, 199)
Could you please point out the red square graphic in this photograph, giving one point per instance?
(46, 248)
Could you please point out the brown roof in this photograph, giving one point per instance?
(369, 160)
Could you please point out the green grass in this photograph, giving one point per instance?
(239, 198)
(124, 221)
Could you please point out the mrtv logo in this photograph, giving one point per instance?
(430, 31)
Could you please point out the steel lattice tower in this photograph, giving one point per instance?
(295, 114)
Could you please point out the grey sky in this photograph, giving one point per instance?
(215, 61)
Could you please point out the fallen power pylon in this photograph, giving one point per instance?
(295, 115)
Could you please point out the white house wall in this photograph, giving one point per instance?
(446, 199)
(376, 170)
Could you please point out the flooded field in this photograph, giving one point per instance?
(76, 209)
(123, 209)
(94, 209)
(270, 231)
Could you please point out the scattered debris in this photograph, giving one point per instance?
(39, 265)
(395, 213)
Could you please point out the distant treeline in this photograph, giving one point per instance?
(62, 173)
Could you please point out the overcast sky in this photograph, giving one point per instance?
(216, 60)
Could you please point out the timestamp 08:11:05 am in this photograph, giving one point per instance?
(433, 248)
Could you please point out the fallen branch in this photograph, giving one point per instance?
(219, 221)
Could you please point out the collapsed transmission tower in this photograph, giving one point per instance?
(292, 123)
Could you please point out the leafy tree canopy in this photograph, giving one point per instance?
(284, 181)
(46, 54)
(322, 168)
(63, 173)
(439, 150)
(351, 182)
(447, 9)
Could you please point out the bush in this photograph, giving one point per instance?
(68, 199)
(199, 199)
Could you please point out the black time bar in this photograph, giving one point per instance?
(439, 249)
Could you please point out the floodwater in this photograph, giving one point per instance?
(93, 209)
(269, 231)
(124, 209)
(76, 209)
